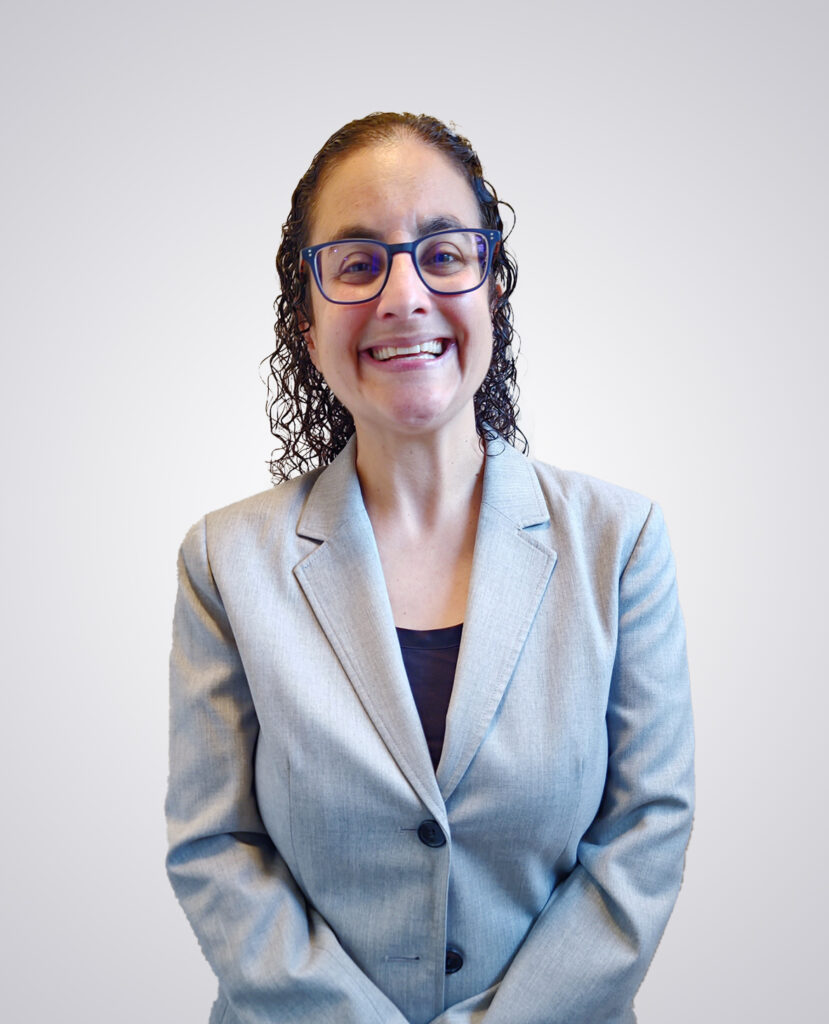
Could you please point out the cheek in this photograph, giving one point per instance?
(481, 330)
(333, 338)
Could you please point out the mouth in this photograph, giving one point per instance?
(432, 349)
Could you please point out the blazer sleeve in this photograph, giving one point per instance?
(589, 949)
(274, 955)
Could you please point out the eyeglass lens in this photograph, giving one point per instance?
(449, 262)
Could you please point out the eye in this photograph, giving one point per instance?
(442, 257)
(356, 265)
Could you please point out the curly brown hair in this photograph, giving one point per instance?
(311, 425)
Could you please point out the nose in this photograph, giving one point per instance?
(404, 294)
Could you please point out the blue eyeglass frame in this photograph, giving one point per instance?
(309, 255)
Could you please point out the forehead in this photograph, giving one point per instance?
(389, 189)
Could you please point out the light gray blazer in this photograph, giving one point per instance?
(300, 773)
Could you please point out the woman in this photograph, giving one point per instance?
(374, 817)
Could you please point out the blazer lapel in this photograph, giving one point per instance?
(343, 582)
(511, 568)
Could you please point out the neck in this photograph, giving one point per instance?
(420, 480)
(423, 495)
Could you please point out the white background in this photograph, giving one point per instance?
(668, 163)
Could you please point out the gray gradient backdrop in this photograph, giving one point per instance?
(668, 162)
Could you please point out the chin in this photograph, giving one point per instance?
(427, 419)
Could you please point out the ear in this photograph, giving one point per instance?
(496, 294)
(304, 323)
(311, 344)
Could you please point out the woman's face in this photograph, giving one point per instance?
(397, 192)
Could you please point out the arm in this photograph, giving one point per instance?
(275, 957)
(587, 953)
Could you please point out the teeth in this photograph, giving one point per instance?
(432, 348)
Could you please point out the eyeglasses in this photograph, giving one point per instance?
(356, 270)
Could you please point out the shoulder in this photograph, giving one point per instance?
(588, 494)
(599, 514)
(263, 520)
(282, 503)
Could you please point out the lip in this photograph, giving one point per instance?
(419, 360)
(403, 341)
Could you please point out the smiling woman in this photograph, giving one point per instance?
(408, 358)
(309, 422)
(431, 745)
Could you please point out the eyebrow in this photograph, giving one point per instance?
(424, 227)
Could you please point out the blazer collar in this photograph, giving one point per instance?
(511, 489)
(343, 581)
(511, 568)
(335, 497)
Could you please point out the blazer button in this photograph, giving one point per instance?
(454, 960)
(429, 833)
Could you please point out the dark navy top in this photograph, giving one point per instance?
(430, 657)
